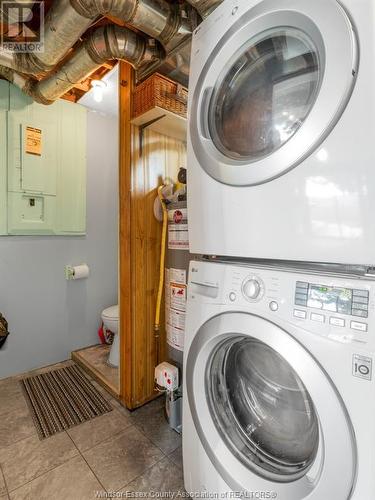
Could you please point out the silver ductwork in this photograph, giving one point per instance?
(176, 65)
(67, 20)
(177, 62)
(105, 43)
(63, 26)
(157, 18)
(205, 7)
(6, 58)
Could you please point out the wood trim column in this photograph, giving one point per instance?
(125, 234)
(139, 254)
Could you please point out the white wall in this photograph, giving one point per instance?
(48, 316)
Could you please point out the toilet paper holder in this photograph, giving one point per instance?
(77, 272)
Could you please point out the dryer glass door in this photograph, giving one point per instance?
(262, 408)
(266, 95)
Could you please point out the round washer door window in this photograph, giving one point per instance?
(262, 409)
(262, 101)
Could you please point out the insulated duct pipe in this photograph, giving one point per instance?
(205, 7)
(157, 18)
(67, 20)
(105, 43)
(63, 26)
(177, 62)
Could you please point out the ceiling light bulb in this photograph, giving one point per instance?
(98, 87)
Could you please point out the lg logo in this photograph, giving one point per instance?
(362, 367)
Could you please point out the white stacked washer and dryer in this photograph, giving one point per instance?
(279, 398)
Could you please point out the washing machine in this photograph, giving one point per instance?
(281, 131)
(279, 384)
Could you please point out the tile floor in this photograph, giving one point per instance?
(117, 452)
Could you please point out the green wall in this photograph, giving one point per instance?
(4, 106)
(46, 193)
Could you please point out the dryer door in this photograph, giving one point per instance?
(273, 89)
(269, 417)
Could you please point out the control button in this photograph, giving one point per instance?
(274, 306)
(360, 300)
(317, 317)
(300, 302)
(302, 284)
(364, 307)
(232, 296)
(359, 313)
(336, 321)
(301, 296)
(300, 314)
(356, 325)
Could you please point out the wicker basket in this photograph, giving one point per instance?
(159, 90)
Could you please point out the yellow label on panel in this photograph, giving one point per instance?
(34, 141)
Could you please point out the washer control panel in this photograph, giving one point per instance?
(339, 307)
(351, 302)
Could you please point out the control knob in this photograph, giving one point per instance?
(252, 289)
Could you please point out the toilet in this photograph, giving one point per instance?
(110, 318)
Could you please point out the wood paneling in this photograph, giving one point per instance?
(140, 175)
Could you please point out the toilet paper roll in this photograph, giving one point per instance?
(81, 271)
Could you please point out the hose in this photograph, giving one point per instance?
(161, 274)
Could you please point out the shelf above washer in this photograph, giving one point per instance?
(164, 122)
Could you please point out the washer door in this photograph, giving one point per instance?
(269, 417)
(274, 87)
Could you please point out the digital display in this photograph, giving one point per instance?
(337, 300)
(333, 299)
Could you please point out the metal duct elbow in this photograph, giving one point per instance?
(159, 19)
(67, 20)
(114, 42)
(205, 7)
(105, 43)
